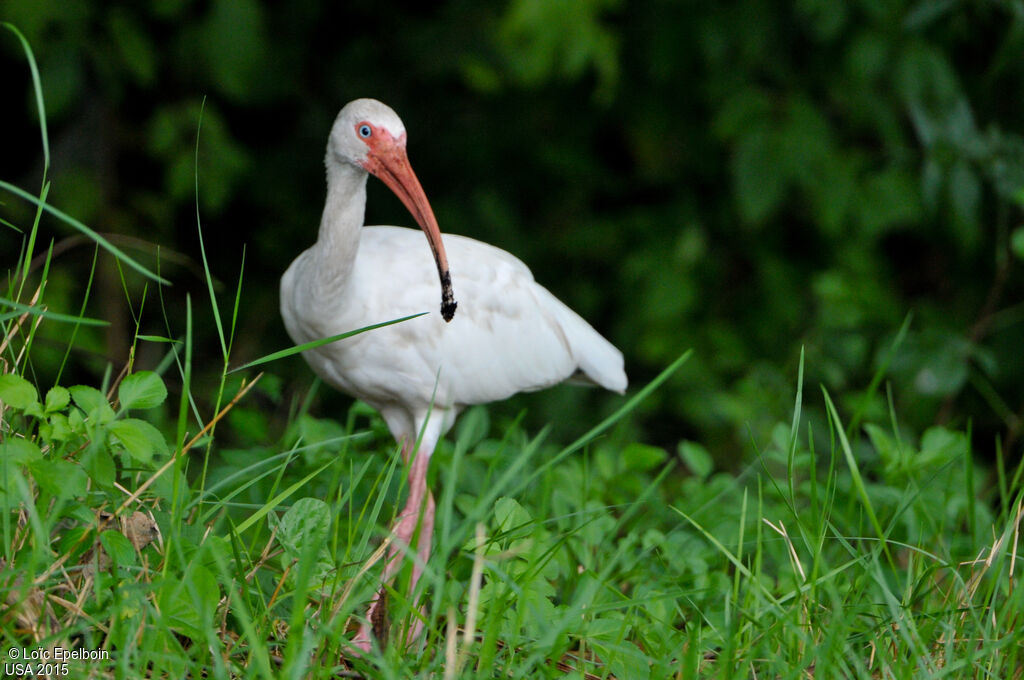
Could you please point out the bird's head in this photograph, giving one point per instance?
(369, 135)
(364, 128)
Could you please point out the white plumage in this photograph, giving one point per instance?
(508, 334)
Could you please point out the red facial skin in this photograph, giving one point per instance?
(386, 159)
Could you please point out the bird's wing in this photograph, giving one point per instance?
(509, 333)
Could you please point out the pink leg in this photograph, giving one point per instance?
(418, 511)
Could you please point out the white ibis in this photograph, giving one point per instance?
(510, 334)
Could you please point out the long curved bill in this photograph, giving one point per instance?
(390, 164)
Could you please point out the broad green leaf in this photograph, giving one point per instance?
(92, 401)
(603, 628)
(642, 457)
(17, 392)
(57, 398)
(187, 605)
(308, 519)
(118, 547)
(144, 389)
(652, 538)
(599, 524)
(19, 450)
(87, 398)
(77, 539)
(99, 465)
(140, 439)
(12, 484)
(60, 478)
(302, 532)
(940, 445)
(510, 515)
(321, 438)
(76, 421)
(55, 429)
(696, 458)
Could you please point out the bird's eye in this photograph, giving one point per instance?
(365, 131)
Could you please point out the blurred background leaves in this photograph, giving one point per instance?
(744, 178)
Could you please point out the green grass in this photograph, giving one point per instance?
(137, 516)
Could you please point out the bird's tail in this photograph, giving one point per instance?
(600, 362)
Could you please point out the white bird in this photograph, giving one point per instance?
(510, 334)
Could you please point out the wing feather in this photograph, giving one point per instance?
(509, 334)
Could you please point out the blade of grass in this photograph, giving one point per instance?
(252, 636)
(37, 88)
(626, 408)
(36, 310)
(178, 458)
(512, 481)
(584, 599)
(202, 247)
(736, 562)
(179, 455)
(319, 343)
(238, 302)
(279, 498)
(855, 476)
(251, 476)
(794, 431)
(157, 338)
(96, 237)
(865, 401)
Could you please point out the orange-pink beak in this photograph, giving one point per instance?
(388, 162)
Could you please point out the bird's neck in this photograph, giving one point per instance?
(344, 211)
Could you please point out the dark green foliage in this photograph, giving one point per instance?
(744, 178)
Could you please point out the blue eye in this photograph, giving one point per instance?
(365, 131)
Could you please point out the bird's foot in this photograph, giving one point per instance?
(376, 625)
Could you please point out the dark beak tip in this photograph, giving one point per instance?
(448, 310)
